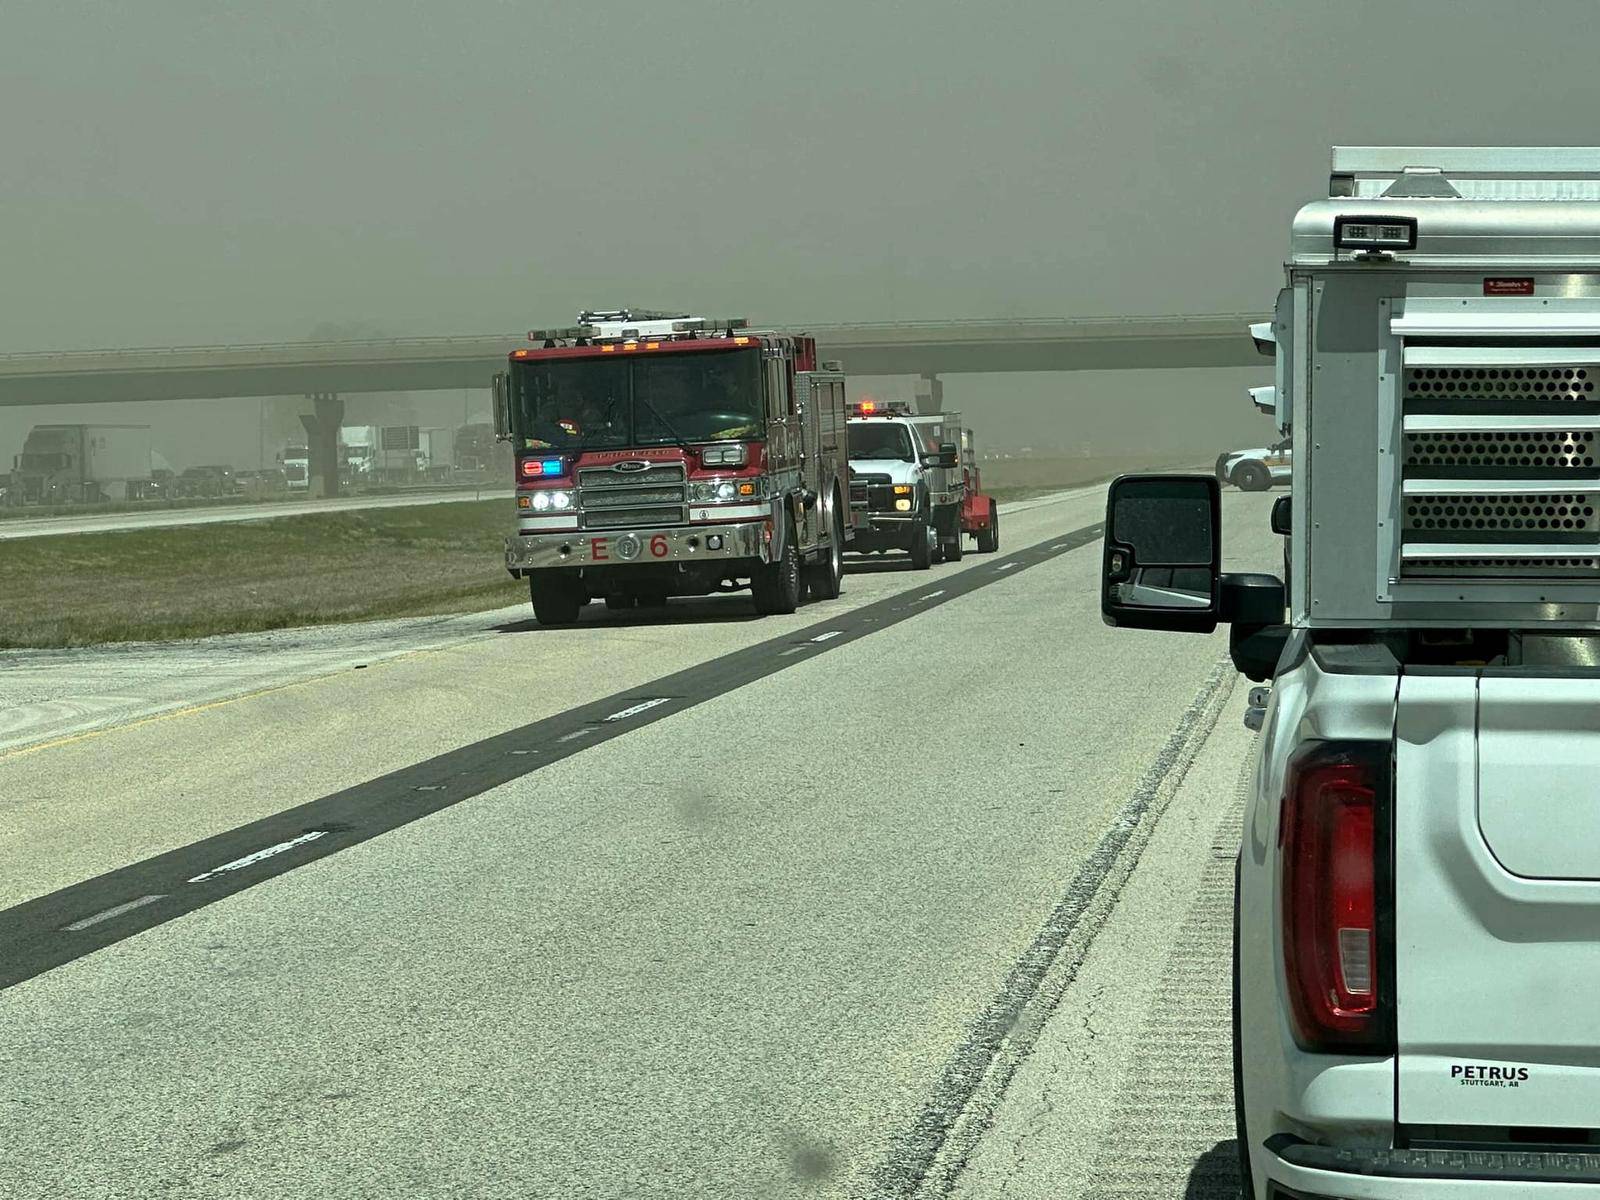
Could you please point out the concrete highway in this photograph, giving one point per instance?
(27, 527)
(919, 892)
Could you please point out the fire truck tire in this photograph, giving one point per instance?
(989, 538)
(776, 586)
(825, 579)
(922, 548)
(554, 604)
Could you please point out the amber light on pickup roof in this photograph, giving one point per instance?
(1334, 838)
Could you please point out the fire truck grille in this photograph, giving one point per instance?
(609, 498)
(1499, 470)
(612, 477)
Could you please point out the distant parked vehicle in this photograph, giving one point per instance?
(1258, 469)
(81, 464)
(258, 484)
(208, 481)
(296, 462)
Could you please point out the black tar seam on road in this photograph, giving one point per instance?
(34, 937)
(906, 1172)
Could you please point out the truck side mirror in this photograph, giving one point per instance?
(949, 456)
(1162, 561)
(502, 409)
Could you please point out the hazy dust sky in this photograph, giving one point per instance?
(181, 173)
(197, 172)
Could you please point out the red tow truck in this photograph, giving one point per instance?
(660, 455)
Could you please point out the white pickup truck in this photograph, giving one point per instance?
(1417, 944)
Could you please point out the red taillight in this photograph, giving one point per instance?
(1331, 948)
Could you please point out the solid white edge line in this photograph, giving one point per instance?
(116, 910)
(251, 859)
(823, 637)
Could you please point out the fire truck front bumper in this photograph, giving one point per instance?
(681, 545)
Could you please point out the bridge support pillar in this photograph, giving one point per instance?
(322, 443)
(930, 394)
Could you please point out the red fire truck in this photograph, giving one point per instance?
(660, 455)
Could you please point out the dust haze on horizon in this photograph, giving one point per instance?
(183, 173)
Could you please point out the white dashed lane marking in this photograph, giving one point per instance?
(115, 910)
(250, 860)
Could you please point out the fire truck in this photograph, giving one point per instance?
(908, 481)
(660, 455)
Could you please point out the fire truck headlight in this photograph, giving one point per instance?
(726, 491)
(545, 501)
(902, 506)
(730, 455)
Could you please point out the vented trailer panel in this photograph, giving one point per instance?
(1454, 469)
(1490, 431)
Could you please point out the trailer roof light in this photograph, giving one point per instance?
(1375, 233)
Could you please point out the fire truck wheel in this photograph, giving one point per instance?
(826, 578)
(989, 538)
(776, 586)
(922, 547)
(553, 603)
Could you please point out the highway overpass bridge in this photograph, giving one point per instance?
(927, 349)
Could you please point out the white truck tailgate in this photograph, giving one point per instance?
(1497, 900)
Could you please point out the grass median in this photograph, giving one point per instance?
(198, 580)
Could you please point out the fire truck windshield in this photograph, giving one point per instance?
(641, 400)
(888, 440)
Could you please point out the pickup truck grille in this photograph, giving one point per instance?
(1500, 472)
(610, 498)
(875, 493)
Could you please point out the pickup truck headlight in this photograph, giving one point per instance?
(731, 454)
